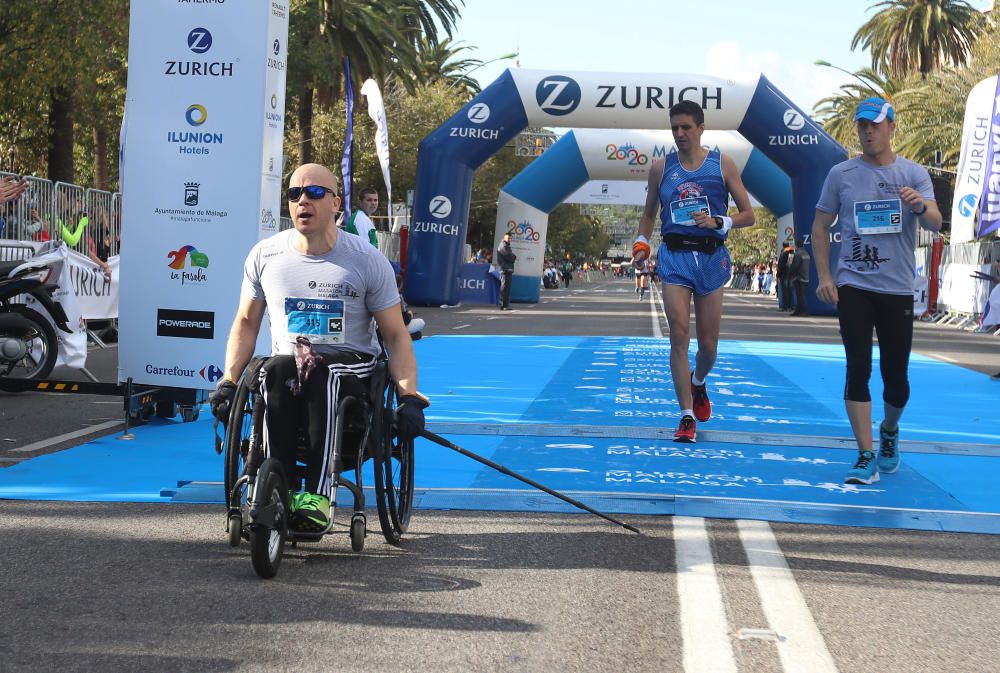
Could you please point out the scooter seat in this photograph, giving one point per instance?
(7, 268)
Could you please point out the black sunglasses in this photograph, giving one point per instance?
(314, 192)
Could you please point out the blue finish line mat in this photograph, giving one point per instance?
(592, 416)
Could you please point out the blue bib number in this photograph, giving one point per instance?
(682, 211)
(319, 320)
(878, 217)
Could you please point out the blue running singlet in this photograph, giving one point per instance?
(682, 192)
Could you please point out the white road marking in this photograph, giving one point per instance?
(654, 313)
(704, 630)
(803, 649)
(38, 446)
(461, 326)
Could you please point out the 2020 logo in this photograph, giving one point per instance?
(522, 231)
(627, 153)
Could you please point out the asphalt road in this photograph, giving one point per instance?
(128, 587)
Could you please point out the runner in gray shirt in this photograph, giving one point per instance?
(325, 291)
(879, 199)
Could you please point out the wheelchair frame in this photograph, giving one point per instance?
(257, 487)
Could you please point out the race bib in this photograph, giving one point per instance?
(682, 211)
(319, 320)
(878, 217)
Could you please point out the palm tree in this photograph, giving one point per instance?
(919, 36)
(836, 112)
(381, 37)
(439, 63)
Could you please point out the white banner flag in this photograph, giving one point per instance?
(972, 160)
(376, 110)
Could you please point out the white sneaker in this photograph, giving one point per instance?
(416, 325)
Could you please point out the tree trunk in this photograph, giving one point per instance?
(305, 115)
(61, 135)
(101, 157)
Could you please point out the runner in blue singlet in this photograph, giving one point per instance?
(691, 188)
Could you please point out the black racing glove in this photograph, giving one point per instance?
(410, 416)
(222, 399)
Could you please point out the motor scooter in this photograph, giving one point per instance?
(28, 343)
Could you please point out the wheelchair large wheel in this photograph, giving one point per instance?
(393, 473)
(238, 433)
(269, 519)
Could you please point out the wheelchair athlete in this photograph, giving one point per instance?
(321, 288)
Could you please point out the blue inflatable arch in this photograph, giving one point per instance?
(606, 154)
(449, 156)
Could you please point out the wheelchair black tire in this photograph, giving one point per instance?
(237, 436)
(393, 463)
(267, 542)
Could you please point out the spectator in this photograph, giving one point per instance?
(566, 271)
(505, 260)
(11, 189)
(786, 288)
(360, 223)
(799, 273)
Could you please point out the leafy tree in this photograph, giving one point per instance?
(750, 245)
(919, 36)
(441, 62)
(582, 237)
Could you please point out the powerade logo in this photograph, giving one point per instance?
(185, 324)
(558, 95)
(440, 207)
(522, 231)
(194, 142)
(199, 40)
(967, 205)
(211, 373)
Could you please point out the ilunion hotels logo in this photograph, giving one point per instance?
(194, 142)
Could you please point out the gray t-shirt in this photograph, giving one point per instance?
(328, 298)
(863, 197)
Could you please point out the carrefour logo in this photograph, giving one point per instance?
(196, 115)
(558, 95)
(199, 40)
(440, 207)
(794, 120)
(522, 231)
(967, 206)
(479, 113)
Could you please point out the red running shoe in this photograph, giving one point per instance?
(702, 405)
(686, 431)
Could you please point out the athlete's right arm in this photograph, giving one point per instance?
(826, 289)
(243, 337)
(652, 202)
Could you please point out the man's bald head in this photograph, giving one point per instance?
(314, 174)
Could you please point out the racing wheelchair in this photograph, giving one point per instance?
(257, 497)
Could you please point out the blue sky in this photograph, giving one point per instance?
(719, 37)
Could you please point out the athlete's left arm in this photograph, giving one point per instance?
(927, 211)
(734, 183)
(402, 361)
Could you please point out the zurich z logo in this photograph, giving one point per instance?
(199, 40)
(967, 206)
(440, 207)
(558, 95)
(479, 113)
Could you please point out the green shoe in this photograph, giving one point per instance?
(312, 512)
(294, 500)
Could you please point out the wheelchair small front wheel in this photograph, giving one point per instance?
(358, 531)
(269, 519)
(235, 529)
